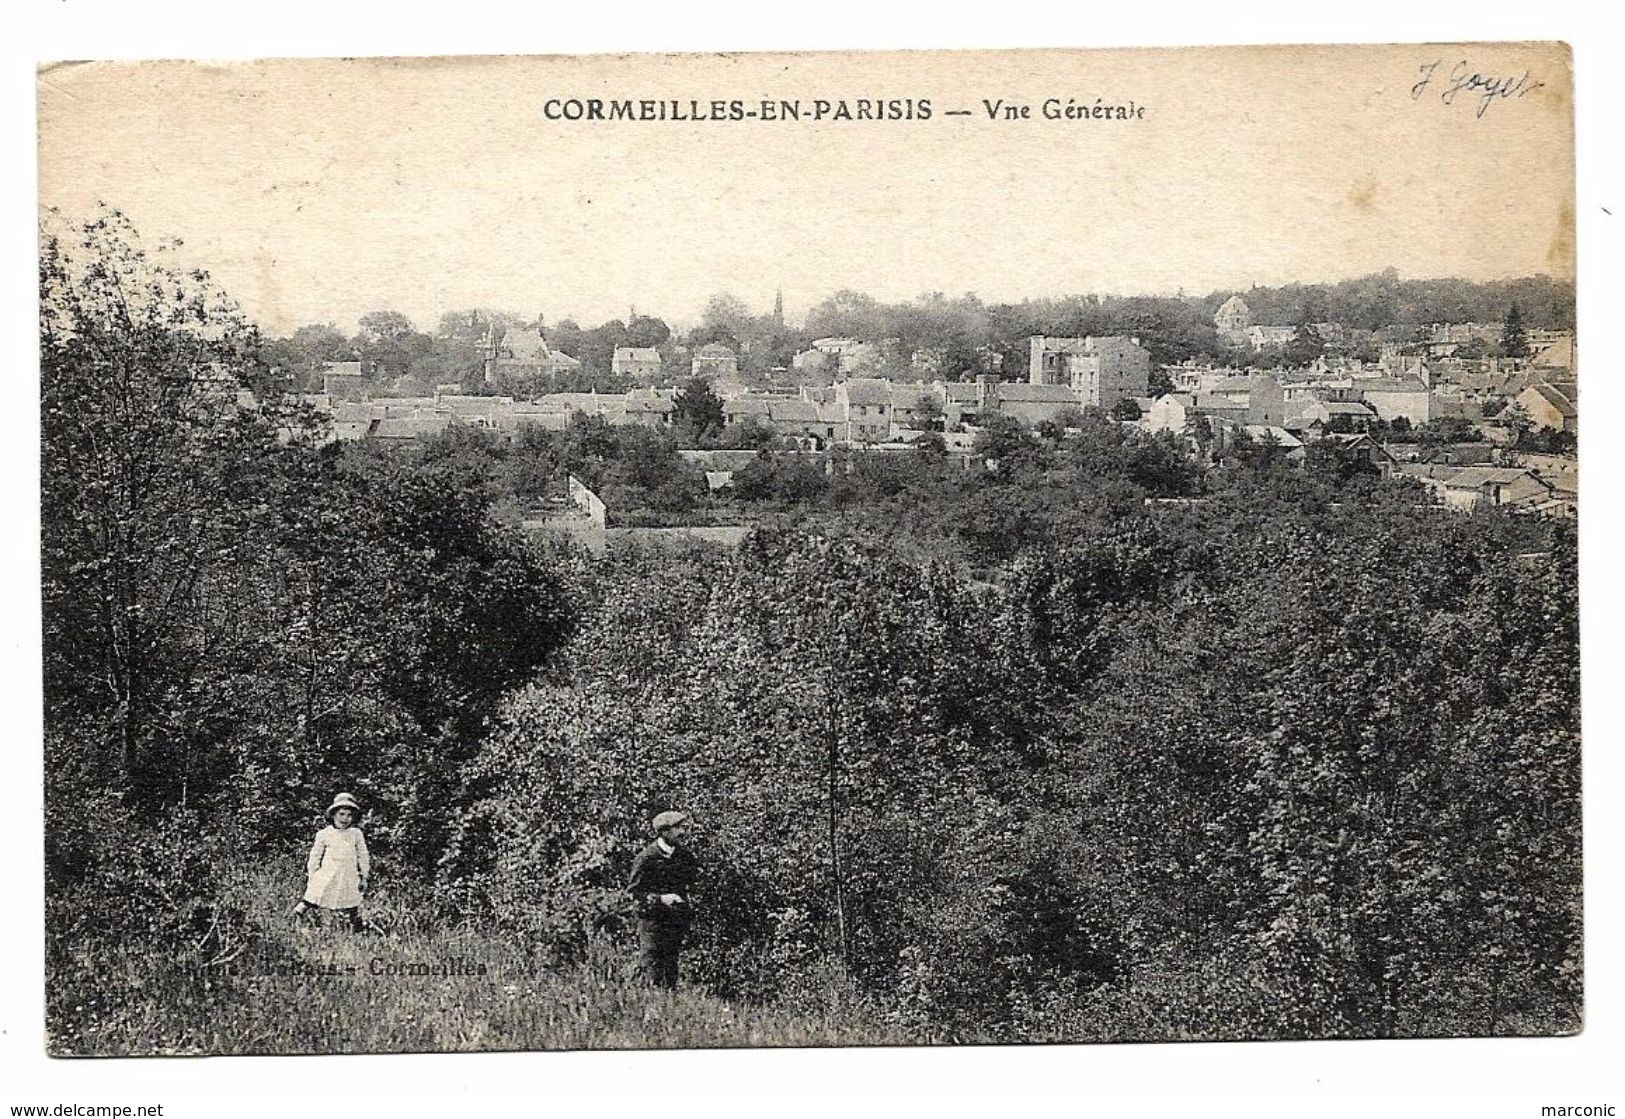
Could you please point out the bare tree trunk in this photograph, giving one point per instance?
(834, 812)
(310, 660)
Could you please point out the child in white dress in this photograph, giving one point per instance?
(336, 872)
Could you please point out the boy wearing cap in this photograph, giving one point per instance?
(660, 884)
(336, 871)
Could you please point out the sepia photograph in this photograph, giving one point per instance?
(828, 549)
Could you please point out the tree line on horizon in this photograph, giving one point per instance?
(961, 335)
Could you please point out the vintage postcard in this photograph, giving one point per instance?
(809, 549)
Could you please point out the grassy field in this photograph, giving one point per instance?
(414, 988)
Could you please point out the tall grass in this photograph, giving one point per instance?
(415, 987)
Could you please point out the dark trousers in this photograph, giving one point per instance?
(659, 943)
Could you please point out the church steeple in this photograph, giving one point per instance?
(778, 307)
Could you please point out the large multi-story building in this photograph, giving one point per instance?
(1103, 370)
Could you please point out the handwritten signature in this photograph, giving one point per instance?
(1462, 81)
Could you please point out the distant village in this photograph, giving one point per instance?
(1431, 405)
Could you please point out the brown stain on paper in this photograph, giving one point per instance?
(1560, 256)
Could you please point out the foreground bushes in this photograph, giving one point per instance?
(1224, 773)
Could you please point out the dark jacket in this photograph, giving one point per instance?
(654, 873)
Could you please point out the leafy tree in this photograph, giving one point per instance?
(566, 337)
(1304, 348)
(381, 327)
(1005, 442)
(306, 353)
(233, 613)
(698, 409)
(647, 331)
(847, 314)
(152, 476)
(458, 350)
(321, 342)
(928, 411)
(1255, 453)
(1400, 427)
(1448, 429)
(390, 346)
(750, 434)
(599, 344)
(534, 464)
(1514, 338)
(1332, 461)
(782, 479)
(726, 315)
(1551, 441)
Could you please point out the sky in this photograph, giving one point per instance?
(316, 191)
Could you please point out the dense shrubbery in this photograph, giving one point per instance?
(1237, 769)
(996, 754)
(237, 620)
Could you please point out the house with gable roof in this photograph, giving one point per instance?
(636, 361)
(1556, 406)
(1233, 320)
(868, 406)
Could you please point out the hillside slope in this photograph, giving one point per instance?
(280, 987)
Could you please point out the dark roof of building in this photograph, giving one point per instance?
(648, 400)
(868, 391)
(472, 405)
(1475, 477)
(1388, 384)
(410, 427)
(582, 401)
(792, 411)
(746, 406)
(1017, 393)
